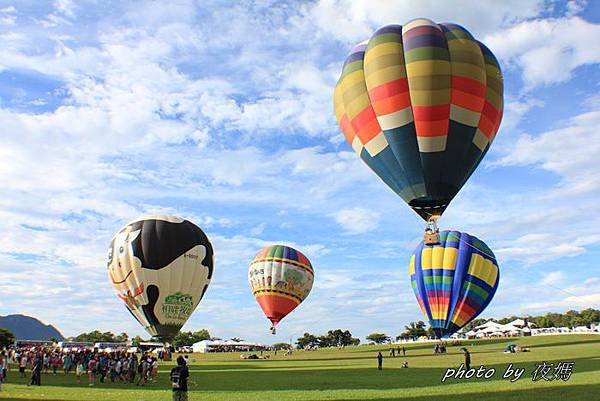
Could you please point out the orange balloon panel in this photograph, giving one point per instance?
(276, 307)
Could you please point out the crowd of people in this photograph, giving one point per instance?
(95, 366)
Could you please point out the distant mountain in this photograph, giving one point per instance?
(29, 328)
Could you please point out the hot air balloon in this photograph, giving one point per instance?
(454, 281)
(280, 278)
(160, 267)
(420, 104)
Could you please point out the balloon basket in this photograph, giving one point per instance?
(273, 330)
(432, 232)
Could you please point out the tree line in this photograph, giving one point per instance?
(339, 337)
(570, 318)
(333, 338)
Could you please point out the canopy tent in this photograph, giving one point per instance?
(227, 346)
(521, 323)
(489, 323)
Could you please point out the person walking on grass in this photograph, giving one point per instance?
(92, 365)
(179, 380)
(3, 366)
(23, 364)
(2, 369)
(79, 370)
(154, 370)
(143, 371)
(36, 371)
(379, 361)
(133, 366)
(467, 358)
(67, 361)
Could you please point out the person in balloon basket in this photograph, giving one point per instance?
(179, 380)
(467, 358)
(379, 360)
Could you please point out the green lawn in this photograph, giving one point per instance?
(351, 374)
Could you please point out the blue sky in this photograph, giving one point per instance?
(223, 114)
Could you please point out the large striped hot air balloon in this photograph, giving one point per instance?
(280, 278)
(421, 104)
(453, 281)
(160, 267)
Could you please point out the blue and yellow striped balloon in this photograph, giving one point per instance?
(454, 281)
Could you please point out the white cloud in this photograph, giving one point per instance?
(354, 21)
(554, 278)
(547, 50)
(574, 7)
(570, 151)
(357, 220)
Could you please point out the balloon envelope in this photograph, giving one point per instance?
(280, 278)
(420, 104)
(453, 281)
(160, 267)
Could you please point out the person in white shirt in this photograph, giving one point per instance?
(23, 365)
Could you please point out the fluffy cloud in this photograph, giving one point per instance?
(547, 50)
(554, 278)
(357, 220)
(570, 151)
(354, 21)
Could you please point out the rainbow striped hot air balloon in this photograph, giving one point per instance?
(453, 281)
(280, 278)
(420, 104)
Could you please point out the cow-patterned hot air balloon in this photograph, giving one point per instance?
(421, 104)
(280, 278)
(160, 267)
(454, 280)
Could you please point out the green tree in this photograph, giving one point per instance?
(590, 316)
(6, 338)
(307, 341)
(378, 338)
(476, 322)
(505, 320)
(430, 332)
(135, 341)
(280, 346)
(122, 338)
(414, 329)
(339, 338)
(188, 338)
(96, 336)
(325, 341)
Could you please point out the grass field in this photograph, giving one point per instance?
(351, 374)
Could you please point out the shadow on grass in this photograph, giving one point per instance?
(552, 393)
(559, 344)
(313, 379)
(562, 391)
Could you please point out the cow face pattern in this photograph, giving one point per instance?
(161, 268)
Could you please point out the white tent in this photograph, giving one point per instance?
(521, 323)
(225, 346)
(489, 323)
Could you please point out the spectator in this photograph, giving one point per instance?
(179, 380)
